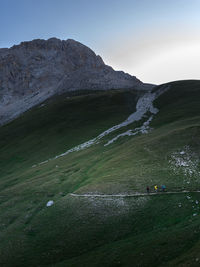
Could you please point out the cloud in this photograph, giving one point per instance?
(157, 57)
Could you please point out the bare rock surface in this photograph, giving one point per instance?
(31, 72)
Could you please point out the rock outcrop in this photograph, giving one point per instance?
(34, 71)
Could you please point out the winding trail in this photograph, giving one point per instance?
(131, 195)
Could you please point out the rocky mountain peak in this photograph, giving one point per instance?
(35, 70)
(52, 43)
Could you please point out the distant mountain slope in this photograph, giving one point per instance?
(34, 71)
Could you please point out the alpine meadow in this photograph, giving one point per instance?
(74, 172)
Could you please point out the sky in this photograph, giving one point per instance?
(155, 40)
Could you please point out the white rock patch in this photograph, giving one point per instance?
(50, 203)
(185, 162)
(144, 129)
(144, 105)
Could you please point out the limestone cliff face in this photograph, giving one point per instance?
(34, 71)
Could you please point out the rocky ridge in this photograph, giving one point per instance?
(31, 72)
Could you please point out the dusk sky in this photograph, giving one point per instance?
(156, 40)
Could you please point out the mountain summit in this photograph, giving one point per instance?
(34, 71)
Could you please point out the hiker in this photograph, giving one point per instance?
(156, 188)
(148, 189)
(163, 188)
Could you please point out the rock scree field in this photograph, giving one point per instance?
(74, 172)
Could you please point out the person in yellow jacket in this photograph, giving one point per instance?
(156, 188)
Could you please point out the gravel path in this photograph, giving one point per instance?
(131, 195)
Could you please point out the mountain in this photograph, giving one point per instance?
(73, 179)
(34, 71)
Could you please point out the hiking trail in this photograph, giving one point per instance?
(132, 195)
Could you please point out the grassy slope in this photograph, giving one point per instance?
(142, 231)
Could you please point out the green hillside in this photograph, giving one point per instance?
(145, 230)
